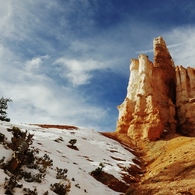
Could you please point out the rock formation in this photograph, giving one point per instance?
(152, 97)
(185, 100)
(160, 100)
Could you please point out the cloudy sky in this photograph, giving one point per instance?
(67, 61)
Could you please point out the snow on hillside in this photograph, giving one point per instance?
(92, 149)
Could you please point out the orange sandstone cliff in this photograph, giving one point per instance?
(160, 97)
(149, 107)
(185, 100)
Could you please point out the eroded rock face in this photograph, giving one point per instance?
(185, 100)
(149, 107)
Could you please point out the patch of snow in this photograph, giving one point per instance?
(93, 149)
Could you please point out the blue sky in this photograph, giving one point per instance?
(67, 61)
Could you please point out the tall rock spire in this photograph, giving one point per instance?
(149, 107)
(162, 57)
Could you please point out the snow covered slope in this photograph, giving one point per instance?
(79, 161)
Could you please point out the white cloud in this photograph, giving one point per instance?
(151, 50)
(35, 63)
(41, 101)
(22, 20)
(144, 51)
(13, 21)
(183, 52)
(5, 12)
(27, 53)
(78, 72)
(38, 99)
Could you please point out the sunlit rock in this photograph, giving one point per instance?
(149, 107)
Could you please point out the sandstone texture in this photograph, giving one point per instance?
(169, 167)
(166, 166)
(185, 100)
(149, 107)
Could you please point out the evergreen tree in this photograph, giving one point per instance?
(3, 108)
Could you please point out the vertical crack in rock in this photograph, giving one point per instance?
(185, 100)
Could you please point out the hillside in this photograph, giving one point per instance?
(167, 164)
(169, 167)
(50, 154)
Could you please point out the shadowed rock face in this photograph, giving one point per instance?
(149, 107)
(185, 100)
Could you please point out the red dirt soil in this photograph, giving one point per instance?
(67, 127)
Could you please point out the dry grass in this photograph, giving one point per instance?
(170, 166)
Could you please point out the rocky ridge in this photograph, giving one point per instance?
(160, 97)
